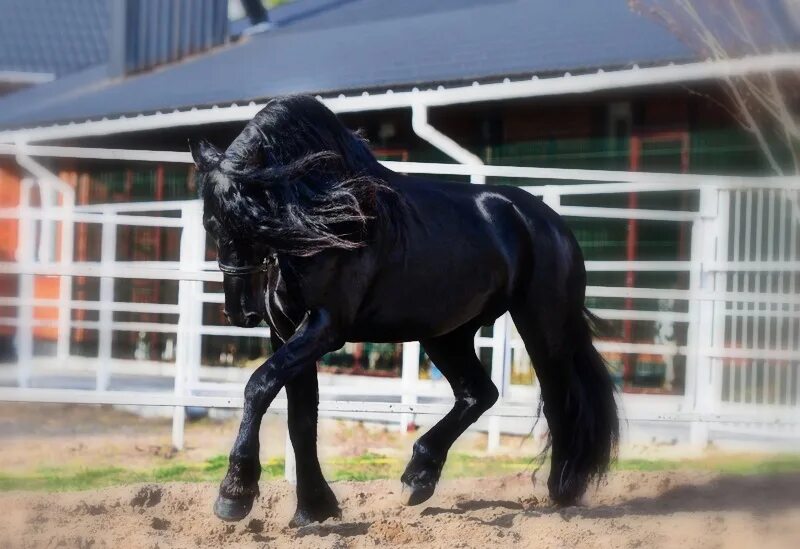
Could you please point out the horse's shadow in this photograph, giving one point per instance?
(760, 495)
(344, 529)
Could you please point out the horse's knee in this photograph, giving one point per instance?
(480, 398)
(489, 396)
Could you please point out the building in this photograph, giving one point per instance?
(580, 84)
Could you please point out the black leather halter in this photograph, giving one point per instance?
(244, 269)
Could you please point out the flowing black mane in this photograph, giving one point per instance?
(298, 180)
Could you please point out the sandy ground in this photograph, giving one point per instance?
(631, 509)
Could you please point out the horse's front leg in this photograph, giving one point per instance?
(312, 339)
(315, 499)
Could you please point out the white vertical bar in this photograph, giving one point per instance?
(721, 224)
(758, 317)
(499, 365)
(409, 381)
(782, 322)
(23, 340)
(737, 372)
(65, 282)
(794, 254)
(704, 248)
(747, 321)
(187, 320)
(289, 460)
(46, 225)
(770, 366)
(195, 338)
(108, 252)
(693, 314)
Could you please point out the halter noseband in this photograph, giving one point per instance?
(244, 269)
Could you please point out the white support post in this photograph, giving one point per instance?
(46, 225)
(699, 369)
(410, 381)
(289, 461)
(108, 252)
(65, 282)
(192, 236)
(721, 227)
(423, 129)
(49, 182)
(25, 256)
(500, 362)
(195, 338)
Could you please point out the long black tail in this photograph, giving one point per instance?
(581, 411)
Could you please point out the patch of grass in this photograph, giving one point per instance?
(728, 464)
(369, 466)
(59, 480)
(216, 463)
(71, 479)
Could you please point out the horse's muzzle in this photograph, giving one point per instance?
(246, 320)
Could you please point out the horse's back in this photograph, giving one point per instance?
(464, 252)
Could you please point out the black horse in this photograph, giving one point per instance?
(328, 246)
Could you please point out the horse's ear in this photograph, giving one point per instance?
(206, 156)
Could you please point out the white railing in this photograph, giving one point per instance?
(730, 291)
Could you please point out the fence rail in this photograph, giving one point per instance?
(739, 306)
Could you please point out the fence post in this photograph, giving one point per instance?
(289, 461)
(721, 225)
(701, 380)
(186, 341)
(500, 353)
(410, 381)
(196, 303)
(25, 256)
(108, 252)
(65, 282)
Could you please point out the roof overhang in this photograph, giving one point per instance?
(433, 97)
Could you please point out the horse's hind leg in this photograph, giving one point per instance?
(315, 500)
(454, 355)
(577, 393)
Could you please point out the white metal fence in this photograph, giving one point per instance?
(739, 306)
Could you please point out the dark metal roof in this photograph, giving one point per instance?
(53, 36)
(327, 46)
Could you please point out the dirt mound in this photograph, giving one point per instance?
(630, 509)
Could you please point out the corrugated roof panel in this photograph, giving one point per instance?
(326, 46)
(53, 36)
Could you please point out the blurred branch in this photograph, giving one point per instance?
(725, 29)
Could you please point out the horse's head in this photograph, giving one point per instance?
(296, 182)
(241, 259)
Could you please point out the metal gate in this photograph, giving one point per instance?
(761, 334)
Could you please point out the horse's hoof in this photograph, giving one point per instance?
(414, 495)
(232, 510)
